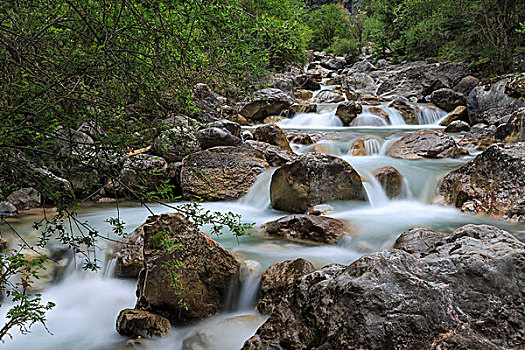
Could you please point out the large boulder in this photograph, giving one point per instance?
(359, 85)
(265, 103)
(461, 291)
(314, 178)
(466, 85)
(390, 179)
(188, 281)
(145, 170)
(348, 111)
(272, 134)
(138, 323)
(416, 80)
(175, 143)
(492, 183)
(307, 82)
(448, 99)
(221, 173)
(25, 198)
(307, 227)
(513, 130)
(425, 144)
(278, 279)
(128, 255)
(489, 103)
(328, 96)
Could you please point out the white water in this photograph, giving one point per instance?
(88, 304)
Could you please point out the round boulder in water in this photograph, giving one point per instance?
(311, 179)
(390, 179)
(348, 111)
(425, 144)
(365, 147)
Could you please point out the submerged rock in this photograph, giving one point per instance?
(139, 323)
(425, 144)
(314, 178)
(458, 291)
(221, 173)
(307, 227)
(492, 183)
(205, 269)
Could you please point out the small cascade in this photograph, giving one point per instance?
(385, 147)
(259, 195)
(368, 119)
(109, 270)
(372, 146)
(374, 191)
(248, 294)
(427, 115)
(312, 120)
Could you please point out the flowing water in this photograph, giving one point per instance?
(88, 303)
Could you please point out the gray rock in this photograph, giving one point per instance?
(514, 129)
(307, 82)
(358, 85)
(457, 126)
(307, 227)
(7, 209)
(425, 144)
(311, 179)
(274, 155)
(265, 103)
(466, 85)
(145, 170)
(175, 144)
(139, 323)
(25, 198)
(448, 99)
(348, 111)
(328, 96)
(227, 125)
(214, 137)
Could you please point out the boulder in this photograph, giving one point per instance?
(466, 85)
(457, 126)
(448, 99)
(307, 82)
(307, 227)
(458, 114)
(227, 125)
(415, 80)
(321, 209)
(272, 134)
(283, 82)
(314, 178)
(128, 255)
(348, 111)
(359, 147)
(278, 279)
(407, 110)
(358, 85)
(188, 281)
(492, 183)
(328, 96)
(139, 323)
(298, 108)
(176, 143)
(512, 131)
(360, 67)
(265, 103)
(333, 63)
(214, 137)
(425, 144)
(390, 179)
(145, 170)
(462, 291)
(25, 198)
(7, 210)
(419, 240)
(221, 173)
(489, 103)
(274, 155)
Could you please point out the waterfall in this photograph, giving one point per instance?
(312, 120)
(372, 146)
(259, 195)
(428, 115)
(374, 191)
(368, 119)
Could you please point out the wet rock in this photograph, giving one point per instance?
(7, 209)
(492, 183)
(225, 334)
(265, 103)
(278, 280)
(298, 108)
(489, 103)
(176, 143)
(272, 134)
(358, 85)
(458, 114)
(417, 79)
(247, 135)
(457, 126)
(302, 139)
(274, 155)
(205, 269)
(320, 148)
(321, 209)
(250, 270)
(227, 125)
(303, 94)
(139, 323)
(455, 294)
(479, 137)
(328, 96)
(307, 82)
(145, 169)
(359, 147)
(448, 99)
(513, 130)
(425, 144)
(408, 110)
(390, 179)
(466, 85)
(214, 137)
(361, 67)
(311, 179)
(129, 256)
(306, 227)
(348, 111)
(369, 100)
(221, 173)
(379, 112)
(419, 241)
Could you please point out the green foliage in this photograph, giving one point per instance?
(328, 25)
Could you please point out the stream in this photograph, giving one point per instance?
(87, 304)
